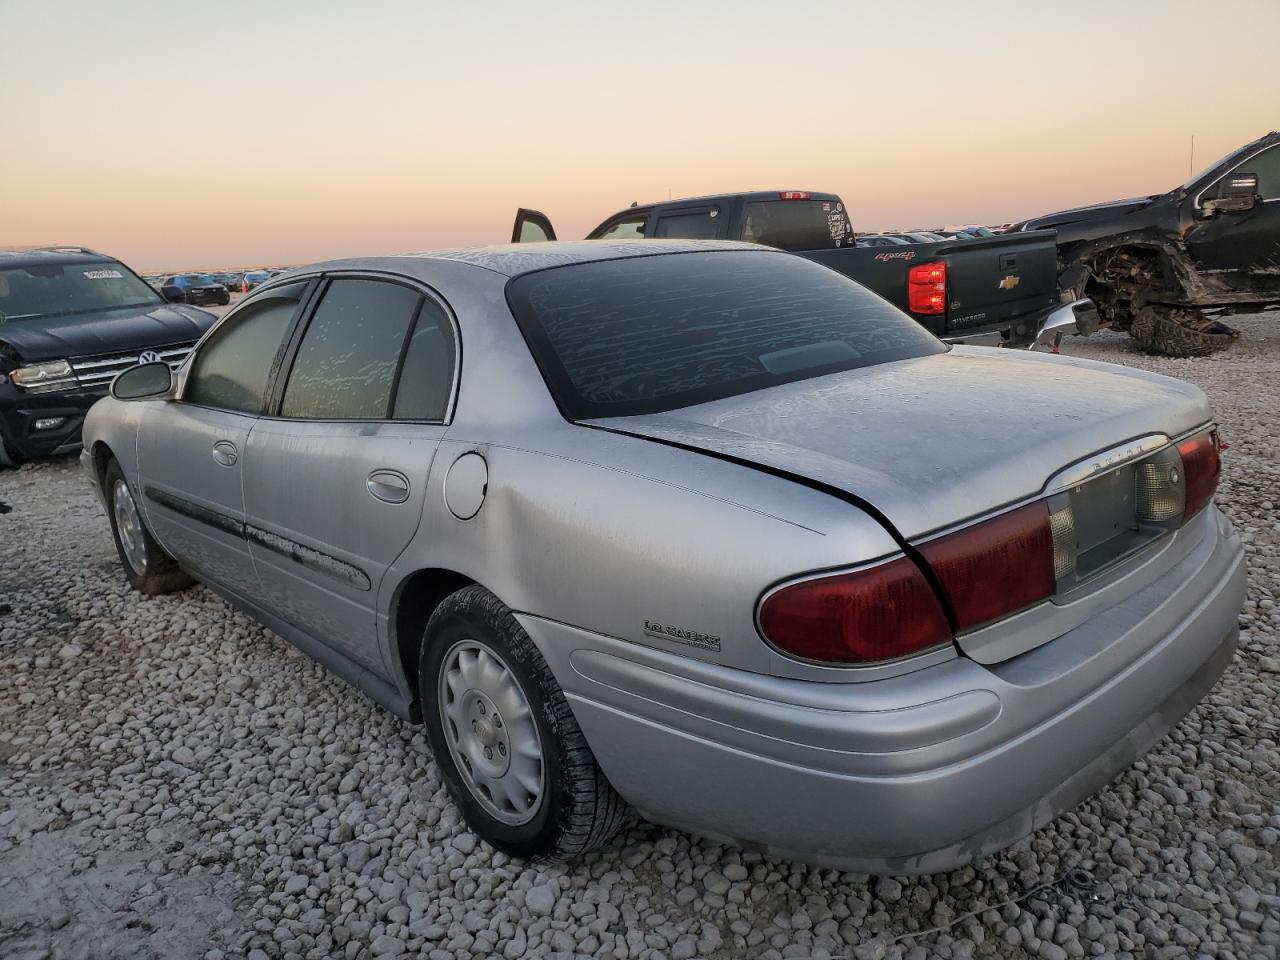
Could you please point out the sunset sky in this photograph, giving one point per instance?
(177, 134)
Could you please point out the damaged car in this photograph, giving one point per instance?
(698, 528)
(70, 320)
(1167, 268)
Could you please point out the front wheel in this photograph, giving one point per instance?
(508, 746)
(146, 565)
(1179, 332)
(8, 459)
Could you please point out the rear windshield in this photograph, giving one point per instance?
(797, 224)
(617, 338)
(58, 289)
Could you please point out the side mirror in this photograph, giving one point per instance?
(173, 294)
(1239, 193)
(143, 382)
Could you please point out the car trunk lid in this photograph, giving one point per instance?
(933, 441)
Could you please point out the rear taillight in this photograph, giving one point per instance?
(880, 613)
(1201, 465)
(927, 287)
(795, 195)
(997, 567)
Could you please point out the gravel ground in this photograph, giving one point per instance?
(175, 781)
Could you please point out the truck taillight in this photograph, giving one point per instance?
(795, 195)
(927, 287)
(1201, 466)
(878, 613)
(999, 566)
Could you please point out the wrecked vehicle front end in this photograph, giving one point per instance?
(1168, 268)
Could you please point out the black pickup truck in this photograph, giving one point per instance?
(1166, 267)
(70, 320)
(1001, 290)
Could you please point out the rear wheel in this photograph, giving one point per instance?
(148, 568)
(508, 746)
(1178, 332)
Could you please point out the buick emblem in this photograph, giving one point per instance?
(148, 356)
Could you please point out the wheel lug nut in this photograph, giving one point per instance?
(497, 720)
(502, 749)
(488, 753)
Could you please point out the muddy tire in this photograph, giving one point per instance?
(1179, 333)
(147, 567)
(508, 746)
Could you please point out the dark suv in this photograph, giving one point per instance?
(195, 288)
(70, 320)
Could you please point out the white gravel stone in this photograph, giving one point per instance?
(176, 781)
(540, 900)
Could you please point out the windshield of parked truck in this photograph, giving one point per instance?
(617, 338)
(797, 224)
(57, 289)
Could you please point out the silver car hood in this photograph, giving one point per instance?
(935, 440)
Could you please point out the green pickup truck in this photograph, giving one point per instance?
(999, 290)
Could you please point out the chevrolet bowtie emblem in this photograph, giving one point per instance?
(1009, 282)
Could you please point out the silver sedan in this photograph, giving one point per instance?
(699, 529)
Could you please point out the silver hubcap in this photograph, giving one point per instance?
(490, 729)
(129, 527)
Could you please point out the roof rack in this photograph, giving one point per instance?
(50, 248)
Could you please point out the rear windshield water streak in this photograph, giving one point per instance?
(617, 338)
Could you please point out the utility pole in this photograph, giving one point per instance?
(1191, 161)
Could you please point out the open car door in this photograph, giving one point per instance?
(532, 227)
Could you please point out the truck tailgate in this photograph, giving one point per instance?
(997, 279)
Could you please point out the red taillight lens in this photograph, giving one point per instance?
(1202, 465)
(795, 195)
(996, 567)
(927, 288)
(881, 613)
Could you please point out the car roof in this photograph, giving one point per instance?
(750, 196)
(514, 259)
(16, 258)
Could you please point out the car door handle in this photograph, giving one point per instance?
(224, 453)
(390, 486)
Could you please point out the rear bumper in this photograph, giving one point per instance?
(915, 774)
(1078, 317)
(207, 299)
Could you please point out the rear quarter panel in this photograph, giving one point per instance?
(613, 535)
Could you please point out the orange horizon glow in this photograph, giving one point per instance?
(325, 131)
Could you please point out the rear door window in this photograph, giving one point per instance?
(701, 224)
(346, 364)
(426, 375)
(797, 224)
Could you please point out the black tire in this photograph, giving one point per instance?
(1173, 333)
(160, 573)
(579, 809)
(7, 457)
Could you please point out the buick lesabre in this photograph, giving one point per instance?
(697, 528)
